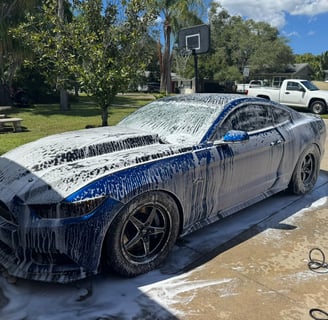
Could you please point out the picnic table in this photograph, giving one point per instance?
(3, 108)
(16, 122)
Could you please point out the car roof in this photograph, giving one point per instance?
(206, 98)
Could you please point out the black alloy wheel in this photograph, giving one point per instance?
(142, 235)
(306, 172)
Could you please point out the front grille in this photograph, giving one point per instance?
(6, 214)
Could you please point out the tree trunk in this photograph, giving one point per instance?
(64, 105)
(104, 116)
(64, 100)
(166, 74)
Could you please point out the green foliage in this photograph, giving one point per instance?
(319, 64)
(12, 52)
(100, 47)
(237, 43)
(35, 85)
(177, 14)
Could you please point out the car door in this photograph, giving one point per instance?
(244, 170)
(293, 95)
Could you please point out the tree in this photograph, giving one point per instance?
(110, 47)
(319, 63)
(176, 14)
(102, 47)
(64, 104)
(324, 65)
(271, 52)
(12, 52)
(237, 43)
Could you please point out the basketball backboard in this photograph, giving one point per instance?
(195, 39)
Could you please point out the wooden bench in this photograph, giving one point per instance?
(16, 123)
(2, 108)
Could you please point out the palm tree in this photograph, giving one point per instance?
(176, 15)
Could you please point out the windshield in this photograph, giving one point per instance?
(310, 86)
(175, 121)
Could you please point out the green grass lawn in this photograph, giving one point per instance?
(43, 120)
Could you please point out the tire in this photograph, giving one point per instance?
(264, 97)
(142, 234)
(318, 107)
(306, 172)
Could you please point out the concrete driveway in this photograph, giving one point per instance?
(261, 272)
(267, 275)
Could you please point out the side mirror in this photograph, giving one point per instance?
(236, 136)
(233, 136)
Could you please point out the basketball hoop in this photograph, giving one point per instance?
(181, 61)
(194, 40)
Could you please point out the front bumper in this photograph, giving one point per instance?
(53, 250)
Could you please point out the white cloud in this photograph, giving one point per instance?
(291, 34)
(273, 12)
(310, 7)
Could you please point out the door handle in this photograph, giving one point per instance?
(287, 92)
(274, 143)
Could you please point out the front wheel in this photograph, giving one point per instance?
(142, 234)
(306, 172)
(318, 107)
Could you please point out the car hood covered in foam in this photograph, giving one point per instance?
(51, 168)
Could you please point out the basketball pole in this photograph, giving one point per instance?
(195, 69)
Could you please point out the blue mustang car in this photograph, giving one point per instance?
(117, 198)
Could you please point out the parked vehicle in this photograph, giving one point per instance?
(117, 198)
(243, 87)
(295, 93)
(150, 87)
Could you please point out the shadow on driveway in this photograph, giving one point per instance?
(111, 297)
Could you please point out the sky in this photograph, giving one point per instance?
(303, 22)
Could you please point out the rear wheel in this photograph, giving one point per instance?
(318, 107)
(306, 172)
(142, 235)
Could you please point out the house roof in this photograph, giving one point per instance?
(297, 67)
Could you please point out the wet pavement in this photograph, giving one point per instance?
(267, 276)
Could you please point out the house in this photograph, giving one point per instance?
(295, 71)
(326, 75)
(274, 79)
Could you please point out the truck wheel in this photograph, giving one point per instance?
(318, 107)
(264, 97)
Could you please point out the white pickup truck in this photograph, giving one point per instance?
(243, 87)
(295, 93)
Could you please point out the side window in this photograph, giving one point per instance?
(293, 86)
(247, 118)
(281, 115)
(251, 118)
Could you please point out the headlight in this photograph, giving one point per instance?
(66, 209)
